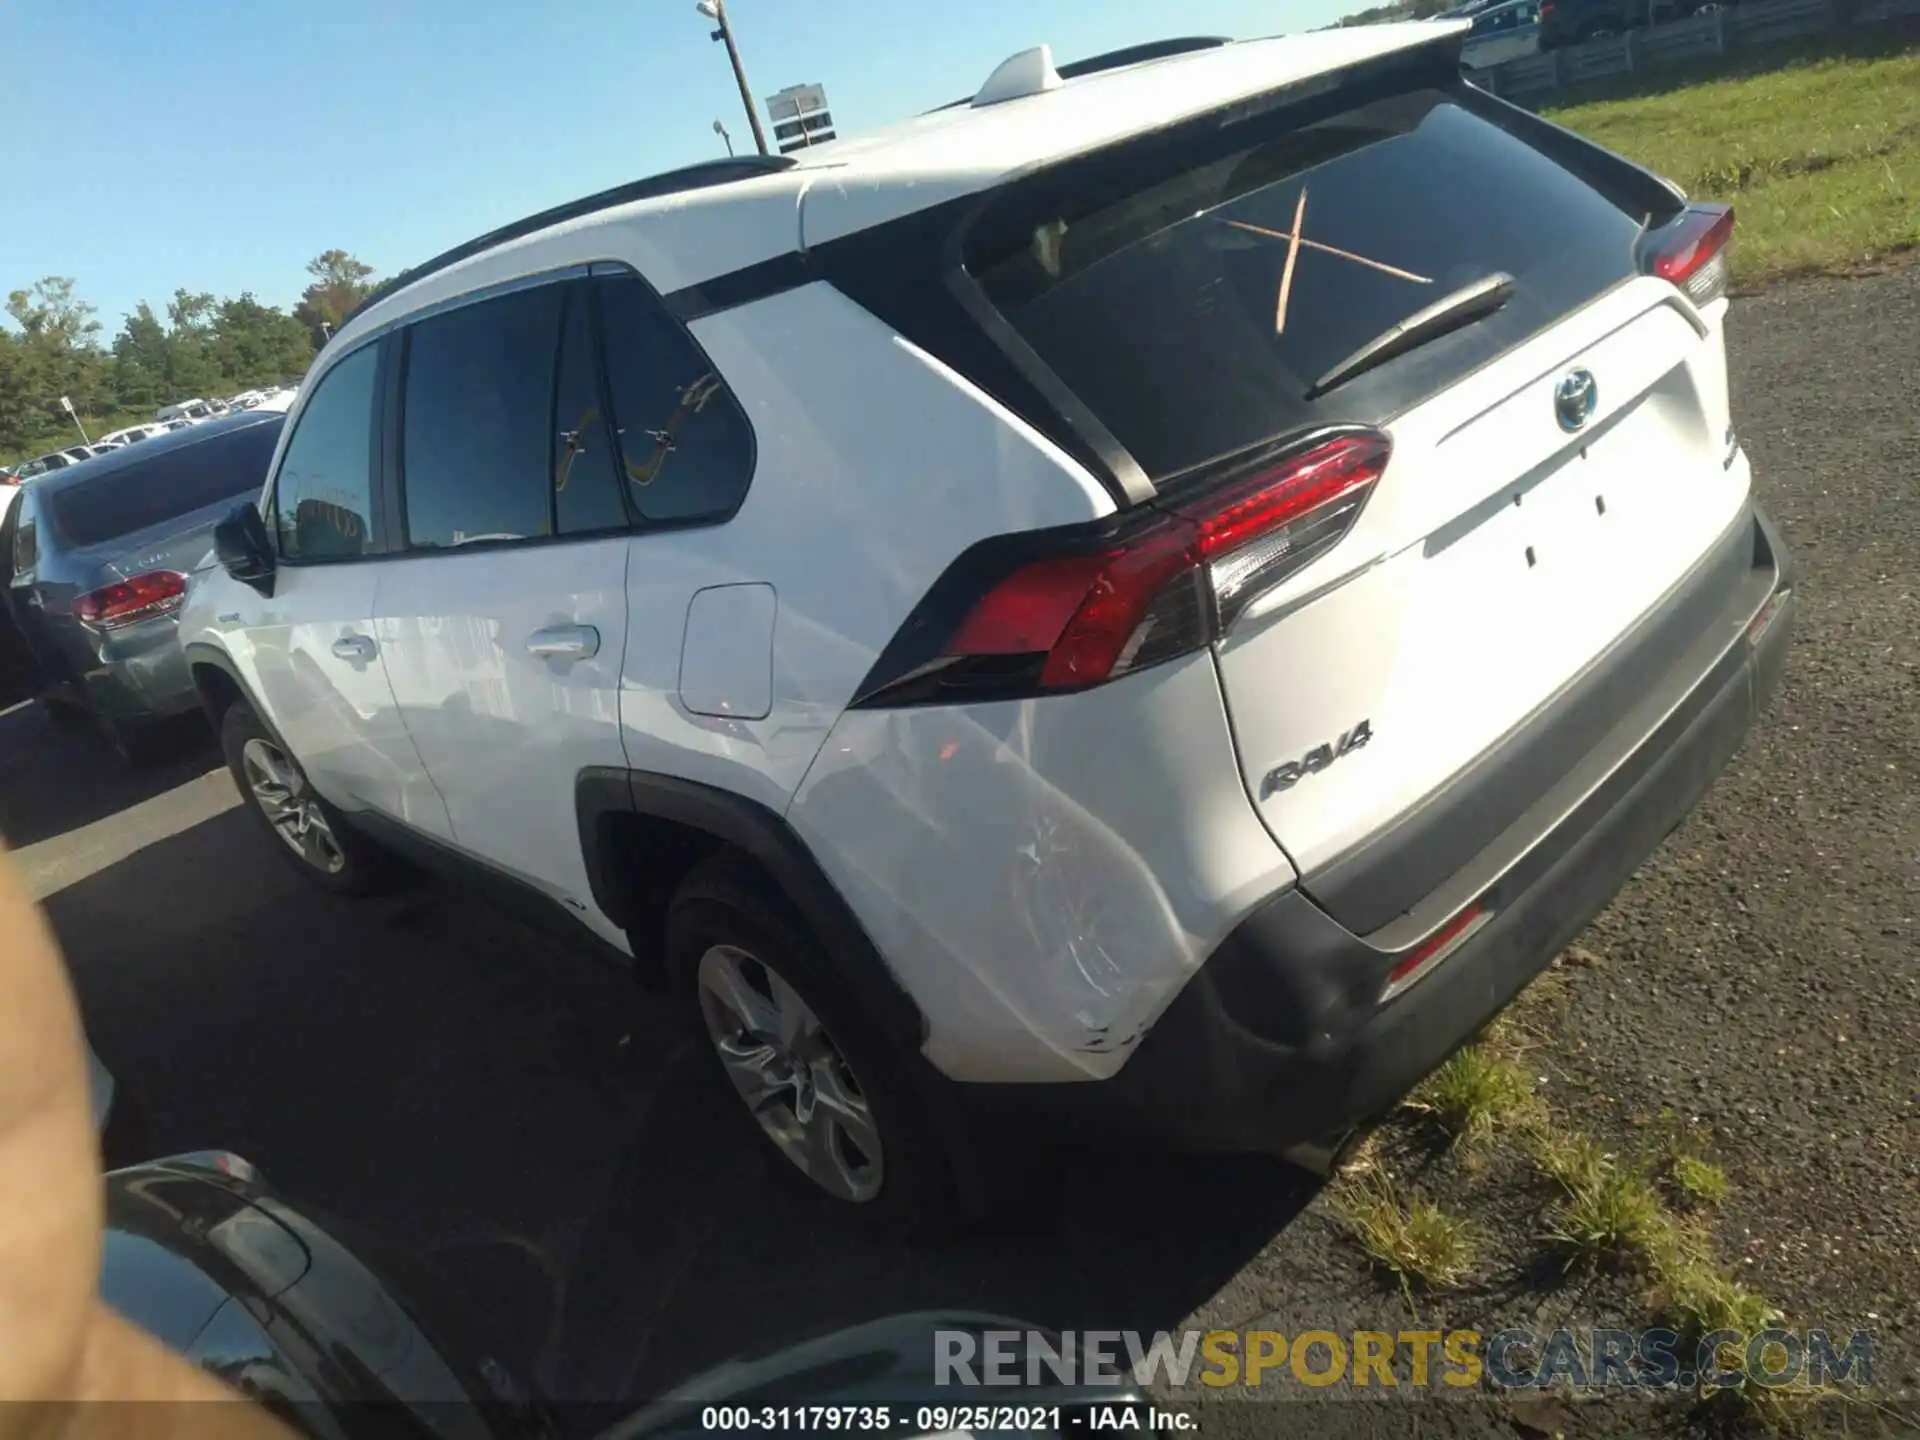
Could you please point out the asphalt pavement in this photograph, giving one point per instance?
(543, 1133)
(519, 1115)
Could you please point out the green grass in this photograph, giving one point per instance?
(1417, 1240)
(1820, 158)
(1691, 1288)
(1700, 1182)
(1569, 1157)
(1476, 1093)
(1612, 1213)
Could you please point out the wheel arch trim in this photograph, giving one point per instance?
(605, 794)
(200, 654)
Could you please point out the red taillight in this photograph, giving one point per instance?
(1435, 948)
(1691, 251)
(1179, 579)
(136, 598)
(1028, 610)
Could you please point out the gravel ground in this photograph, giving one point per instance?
(1761, 974)
(1758, 976)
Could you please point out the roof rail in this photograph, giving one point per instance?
(688, 177)
(1140, 54)
(1114, 59)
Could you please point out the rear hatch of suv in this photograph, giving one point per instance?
(1555, 421)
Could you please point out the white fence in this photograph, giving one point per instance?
(1731, 27)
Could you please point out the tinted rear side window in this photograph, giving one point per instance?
(1181, 309)
(476, 430)
(164, 486)
(686, 449)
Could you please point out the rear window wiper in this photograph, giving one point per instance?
(1465, 305)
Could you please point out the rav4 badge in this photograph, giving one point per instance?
(1285, 777)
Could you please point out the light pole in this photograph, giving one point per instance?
(716, 11)
(721, 131)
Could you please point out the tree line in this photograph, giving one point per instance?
(201, 346)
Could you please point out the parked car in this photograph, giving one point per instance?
(133, 434)
(1508, 31)
(344, 1338)
(42, 464)
(195, 409)
(300, 1314)
(886, 1375)
(1128, 627)
(280, 399)
(96, 560)
(1572, 22)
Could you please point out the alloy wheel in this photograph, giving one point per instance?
(291, 808)
(791, 1075)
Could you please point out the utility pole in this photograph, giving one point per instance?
(74, 415)
(716, 11)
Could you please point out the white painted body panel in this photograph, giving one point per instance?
(673, 240)
(849, 519)
(726, 653)
(337, 715)
(1043, 875)
(503, 733)
(866, 179)
(1448, 637)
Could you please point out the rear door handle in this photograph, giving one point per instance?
(354, 647)
(564, 642)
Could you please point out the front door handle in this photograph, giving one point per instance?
(564, 642)
(354, 647)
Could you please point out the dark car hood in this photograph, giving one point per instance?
(185, 1238)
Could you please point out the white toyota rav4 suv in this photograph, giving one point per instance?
(1158, 596)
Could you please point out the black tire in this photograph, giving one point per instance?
(726, 901)
(363, 868)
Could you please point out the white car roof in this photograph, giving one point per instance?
(682, 238)
(867, 179)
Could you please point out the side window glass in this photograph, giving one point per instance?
(323, 494)
(476, 429)
(685, 446)
(586, 473)
(24, 552)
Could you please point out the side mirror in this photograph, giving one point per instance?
(241, 546)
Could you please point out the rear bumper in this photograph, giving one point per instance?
(139, 674)
(1281, 1038)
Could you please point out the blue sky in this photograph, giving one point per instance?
(154, 144)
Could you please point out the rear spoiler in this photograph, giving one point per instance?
(1633, 187)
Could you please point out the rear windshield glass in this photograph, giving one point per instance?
(165, 484)
(1193, 308)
